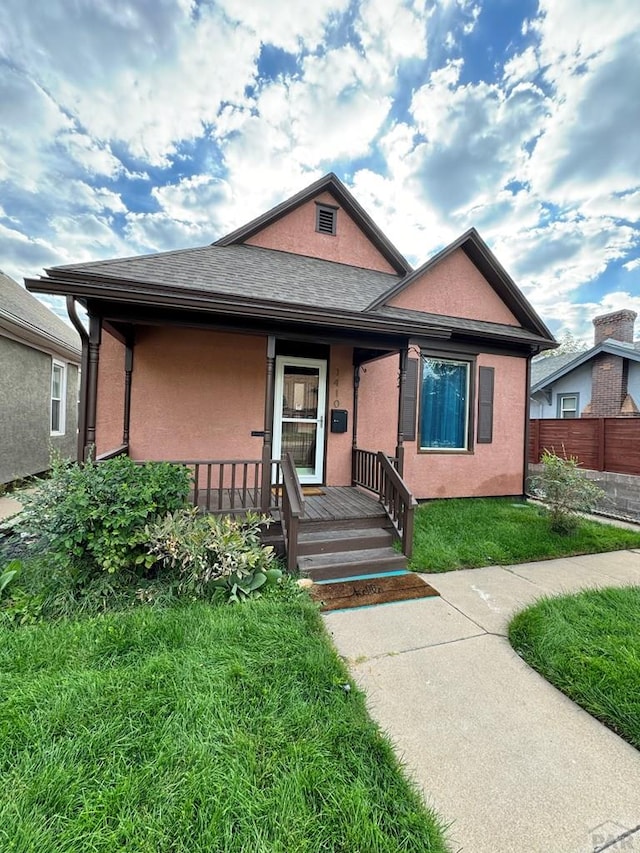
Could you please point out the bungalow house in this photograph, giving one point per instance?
(39, 360)
(299, 362)
(601, 382)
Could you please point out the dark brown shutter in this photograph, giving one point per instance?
(409, 400)
(485, 405)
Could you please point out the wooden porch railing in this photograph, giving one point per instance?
(231, 485)
(378, 473)
(398, 502)
(292, 509)
(365, 469)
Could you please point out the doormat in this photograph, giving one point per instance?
(307, 491)
(368, 591)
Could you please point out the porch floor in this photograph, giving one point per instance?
(335, 503)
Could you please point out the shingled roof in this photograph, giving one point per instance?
(26, 318)
(232, 278)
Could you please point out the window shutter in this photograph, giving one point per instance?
(409, 400)
(485, 405)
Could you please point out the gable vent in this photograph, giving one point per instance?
(326, 219)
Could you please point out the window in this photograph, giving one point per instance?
(326, 217)
(58, 388)
(568, 405)
(445, 404)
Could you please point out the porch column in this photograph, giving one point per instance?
(354, 433)
(128, 369)
(95, 335)
(404, 354)
(267, 444)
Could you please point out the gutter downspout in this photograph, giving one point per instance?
(525, 464)
(84, 369)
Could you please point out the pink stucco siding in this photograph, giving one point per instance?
(339, 396)
(456, 288)
(197, 394)
(110, 404)
(296, 233)
(490, 469)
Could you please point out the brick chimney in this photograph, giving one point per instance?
(617, 325)
(609, 373)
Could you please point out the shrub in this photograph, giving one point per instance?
(566, 492)
(91, 518)
(214, 554)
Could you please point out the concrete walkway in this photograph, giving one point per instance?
(9, 506)
(513, 764)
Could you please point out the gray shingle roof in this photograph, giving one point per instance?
(252, 272)
(23, 311)
(458, 323)
(543, 367)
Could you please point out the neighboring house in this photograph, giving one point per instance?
(39, 362)
(306, 331)
(601, 382)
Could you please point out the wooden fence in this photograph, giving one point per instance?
(600, 444)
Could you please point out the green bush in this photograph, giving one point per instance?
(566, 492)
(214, 555)
(91, 518)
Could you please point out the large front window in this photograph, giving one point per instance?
(444, 404)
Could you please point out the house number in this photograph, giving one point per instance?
(336, 388)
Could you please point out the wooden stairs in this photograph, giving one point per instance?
(347, 548)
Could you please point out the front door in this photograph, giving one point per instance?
(298, 419)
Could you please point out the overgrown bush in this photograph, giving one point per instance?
(213, 554)
(91, 518)
(565, 491)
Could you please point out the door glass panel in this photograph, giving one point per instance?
(300, 392)
(299, 439)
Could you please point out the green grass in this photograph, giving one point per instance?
(588, 645)
(467, 533)
(192, 729)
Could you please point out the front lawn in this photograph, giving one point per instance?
(195, 728)
(588, 645)
(472, 532)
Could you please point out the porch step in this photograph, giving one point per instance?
(308, 525)
(312, 541)
(345, 564)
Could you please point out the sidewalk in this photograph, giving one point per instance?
(8, 507)
(511, 762)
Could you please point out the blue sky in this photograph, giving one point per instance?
(130, 126)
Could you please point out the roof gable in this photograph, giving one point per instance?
(454, 287)
(511, 306)
(362, 243)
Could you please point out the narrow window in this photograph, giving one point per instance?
(445, 404)
(567, 406)
(326, 217)
(57, 398)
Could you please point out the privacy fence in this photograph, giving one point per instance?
(600, 444)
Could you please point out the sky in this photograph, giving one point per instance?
(135, 126)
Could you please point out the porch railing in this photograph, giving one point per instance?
(365, 469)
(292, 509)
(231, 485)
(123, 450)
(378, 473)
(398, 502)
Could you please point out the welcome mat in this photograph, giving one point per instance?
(307, 491)
(368, 591)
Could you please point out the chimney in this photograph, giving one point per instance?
(609, 373)
(617, 325)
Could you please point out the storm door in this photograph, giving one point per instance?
(299, 409)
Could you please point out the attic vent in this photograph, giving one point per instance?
(326, 219)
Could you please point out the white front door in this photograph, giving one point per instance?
(298, 418)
